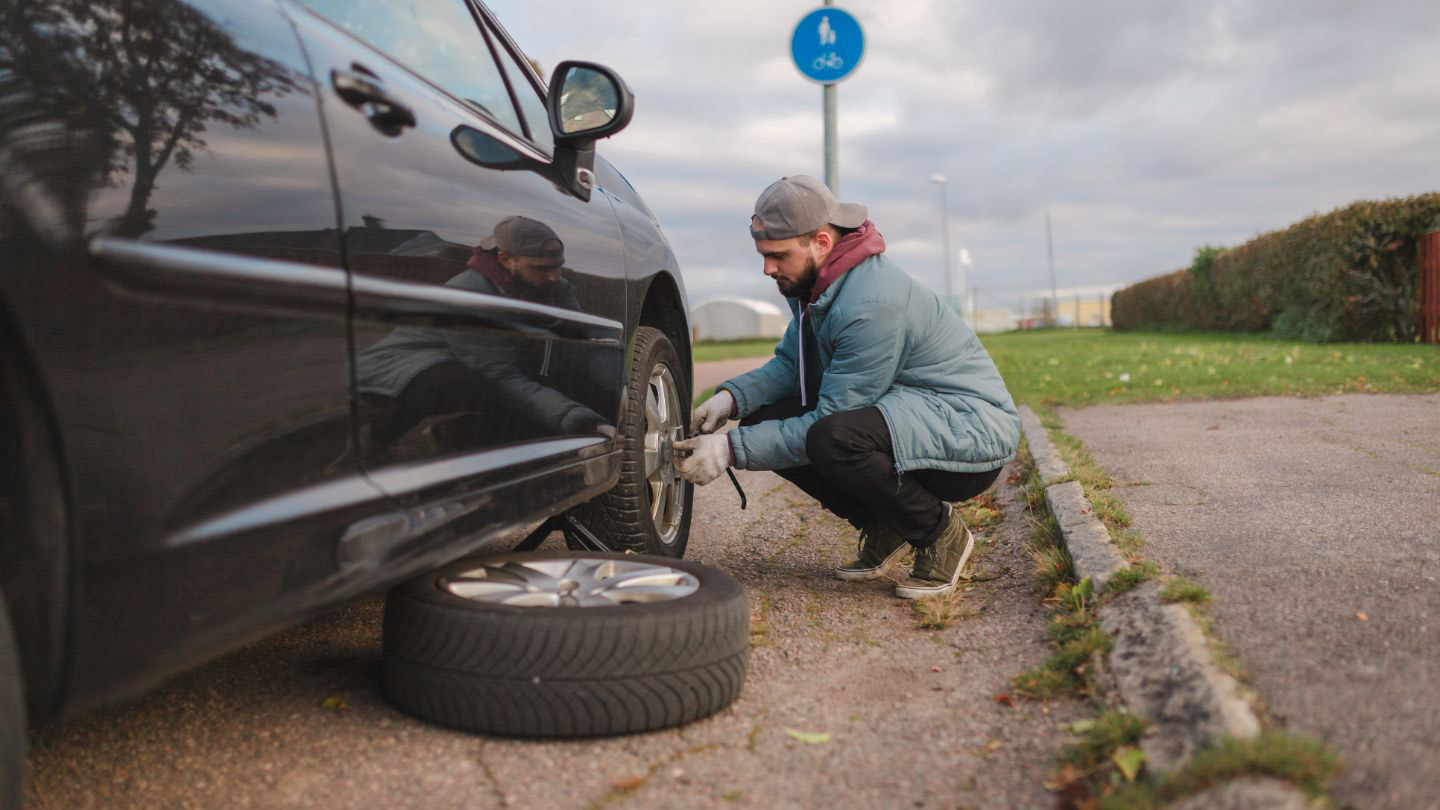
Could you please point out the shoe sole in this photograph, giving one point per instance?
(940, 588)
(860, 574)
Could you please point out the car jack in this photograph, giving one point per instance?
(586, 537)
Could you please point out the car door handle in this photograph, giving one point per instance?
(368, 95)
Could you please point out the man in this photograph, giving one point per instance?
(417, 373)
(880, 402)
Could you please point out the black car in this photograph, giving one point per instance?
(300, 299)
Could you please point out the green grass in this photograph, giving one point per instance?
(1181, 589)
(732, 349)
(1084, 366)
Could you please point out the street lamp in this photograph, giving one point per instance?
(939, 179)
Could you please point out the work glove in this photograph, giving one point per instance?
(708, 457)
(713, 412)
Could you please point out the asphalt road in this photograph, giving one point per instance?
(298, 721)
(1315, 523)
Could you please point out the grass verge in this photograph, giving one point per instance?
(1092, 366)
(711, 351)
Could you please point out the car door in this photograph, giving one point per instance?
(488, 302)
(190, 332)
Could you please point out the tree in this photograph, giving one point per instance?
(139, 82)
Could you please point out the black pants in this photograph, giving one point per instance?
(852, 473)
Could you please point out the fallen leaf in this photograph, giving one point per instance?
(1364, 617)
(625, 784)
(1129, 759)
(809, 737)
(992, 745)
(1082, 726)
(334, 703)
(1004, 699)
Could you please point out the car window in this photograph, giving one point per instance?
(436, 39)
(531, 102)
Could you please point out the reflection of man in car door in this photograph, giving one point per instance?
(423, 372)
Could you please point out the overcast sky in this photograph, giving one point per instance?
(1146, 128)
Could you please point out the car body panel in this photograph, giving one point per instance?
(192, 279)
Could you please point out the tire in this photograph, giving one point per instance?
(567, 671)
(12, 719)
(626, 517)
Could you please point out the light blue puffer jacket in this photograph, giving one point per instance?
(887, 341)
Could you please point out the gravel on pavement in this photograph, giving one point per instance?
(912, 716)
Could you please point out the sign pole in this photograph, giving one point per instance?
(827, 46)
(832, 167)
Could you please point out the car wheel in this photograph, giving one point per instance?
(12, 719)
(552, 644)
(648, 510)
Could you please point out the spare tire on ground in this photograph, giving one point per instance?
(552, 644)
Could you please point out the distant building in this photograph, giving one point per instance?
(730, 318)
(1078, 306)
(995, 319)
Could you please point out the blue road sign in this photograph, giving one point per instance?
(827, 45)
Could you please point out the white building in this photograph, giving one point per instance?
(995, 319)
(730, 318)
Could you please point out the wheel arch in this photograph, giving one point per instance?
(663, 308)
(35, 541)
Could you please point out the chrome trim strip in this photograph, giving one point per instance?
(405, 479)
(319, 499)
(400, 480)
(158, 267)
(386, 295)
(162, 256)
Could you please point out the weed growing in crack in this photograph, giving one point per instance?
(939, 612)
(1298, 759)
(1131, 577)
(1075, 629)
(1181, 589)
(1105, 756)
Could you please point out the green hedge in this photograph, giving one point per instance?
(1350, 274)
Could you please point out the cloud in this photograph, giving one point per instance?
(1145, 129)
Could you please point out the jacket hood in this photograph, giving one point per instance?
(850, 251)
(487, 264)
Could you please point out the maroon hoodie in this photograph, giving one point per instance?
(851, 250)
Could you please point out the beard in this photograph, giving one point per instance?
(801, 287)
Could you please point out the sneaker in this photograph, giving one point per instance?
(938, 567)
(880, 549)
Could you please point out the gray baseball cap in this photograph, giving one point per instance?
(523, 236)
(794, 206)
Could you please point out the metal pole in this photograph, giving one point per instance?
(1054, 296)
(832, 167)
(939, 179)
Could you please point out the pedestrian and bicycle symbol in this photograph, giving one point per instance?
(827, 45)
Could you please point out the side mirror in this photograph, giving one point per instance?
(587, 102)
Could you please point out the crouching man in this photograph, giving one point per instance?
(880, 402)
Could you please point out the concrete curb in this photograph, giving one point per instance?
(1160, 667)
(1091, 552)
(1047, 458)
